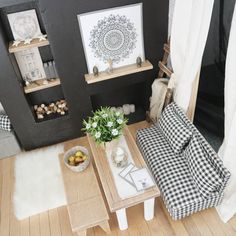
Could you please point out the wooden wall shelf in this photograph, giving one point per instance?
(34, 43)
(117, 72)
(38, 85)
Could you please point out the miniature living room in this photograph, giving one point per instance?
(117, 117)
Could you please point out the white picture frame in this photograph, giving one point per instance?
(24, 25)
(142, 179)
(30, 64)
(114, 34)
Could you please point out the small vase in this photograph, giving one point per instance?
(110, 146)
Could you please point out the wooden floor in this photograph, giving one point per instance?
(56, 223)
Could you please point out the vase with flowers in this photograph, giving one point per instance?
(105, 126)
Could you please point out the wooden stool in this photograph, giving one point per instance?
(86, 207)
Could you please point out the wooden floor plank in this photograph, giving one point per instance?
(34, 226)
(191, 227)
(201, 225)
(25, 227)
(44, 224)
(177, 225)
(54, 223)
(6, 197)
(65, 222)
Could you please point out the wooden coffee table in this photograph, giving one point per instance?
(115, 203)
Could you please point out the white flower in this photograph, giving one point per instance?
(97, 135)
(119, 121)
(117, 113)
(88, 126)
(109, 124)
(94, 124)
(114, 132)
(104, 115)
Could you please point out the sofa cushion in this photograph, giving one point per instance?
(204, 174)
(5, 123)
(174, 129)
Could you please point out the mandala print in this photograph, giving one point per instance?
(113, 38)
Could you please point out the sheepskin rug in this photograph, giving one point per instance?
(38, 182)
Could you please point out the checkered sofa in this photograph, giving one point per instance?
(187, 170)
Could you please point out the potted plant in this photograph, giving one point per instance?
(105, 126)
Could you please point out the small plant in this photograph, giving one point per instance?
(105, 125)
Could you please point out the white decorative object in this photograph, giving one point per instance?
(27, 41)
(126, 109)
(132, 108)
(120, 109)
(119, 157)
(16, 43)
(38, 184)
(24, 25)
(30, 64)
(42, 37)
(112, 34)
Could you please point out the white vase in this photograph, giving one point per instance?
(110, 146)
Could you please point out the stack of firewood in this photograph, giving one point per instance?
(59, 107)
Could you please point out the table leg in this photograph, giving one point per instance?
(149, 209)
(82, 233)
(105, 226)
(122, 219)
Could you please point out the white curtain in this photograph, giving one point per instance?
(228, 149)
(190, 26)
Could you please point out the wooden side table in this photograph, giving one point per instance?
(86, 207)
(115, 203)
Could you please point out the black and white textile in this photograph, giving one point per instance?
(174, 129)
(5, 123)
(172, 172)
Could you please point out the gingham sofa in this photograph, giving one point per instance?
(187, 170)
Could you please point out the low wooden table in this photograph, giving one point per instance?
(115, 203)
(85, 207)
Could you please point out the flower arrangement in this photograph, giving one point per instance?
(105, 125)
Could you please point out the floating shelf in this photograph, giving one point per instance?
(38, 85)
(117, 72)
(21, 46)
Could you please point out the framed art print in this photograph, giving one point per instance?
(24, 25)
(30, 64)
(114, 34)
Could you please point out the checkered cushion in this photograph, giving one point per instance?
(174, 129)
(171, 171)
(205, 176)
(5, 123)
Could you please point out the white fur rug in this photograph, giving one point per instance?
(38, 182)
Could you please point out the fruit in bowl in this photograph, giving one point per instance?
(77, 158)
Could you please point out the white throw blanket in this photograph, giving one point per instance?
(228, 149)
(190, 26)
(159, 88)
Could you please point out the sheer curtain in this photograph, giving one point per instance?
(228, 149)
(190, 26)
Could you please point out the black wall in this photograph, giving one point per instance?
(59, 19)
